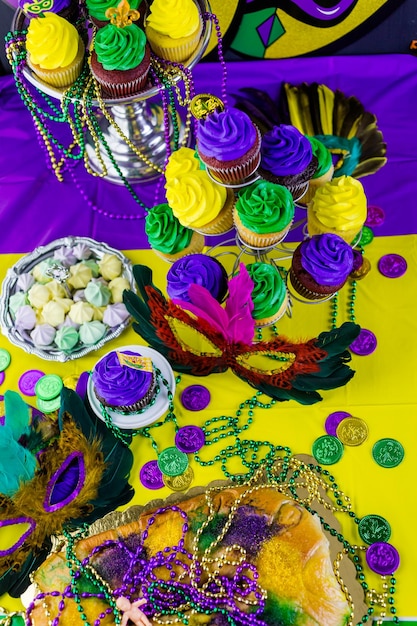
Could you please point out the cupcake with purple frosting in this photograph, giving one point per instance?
(199, 269)
(228, 143)
(124, 381)
(287, 159)
(320, 266)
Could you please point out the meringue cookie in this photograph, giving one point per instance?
(81, 312)
(39, 295)
(65, 255)
(92, 332)
(66, 338)
(115, 314)
(97, 294)
(117, 287)
(25, 281)
(80, 276)
(82, 251)
(25, 318)
(110, 266)
(43, 335)
(53, 313)
(16, 301)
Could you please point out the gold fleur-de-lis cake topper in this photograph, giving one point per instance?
(122, 15)
(205, 103)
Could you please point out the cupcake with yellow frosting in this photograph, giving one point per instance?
(173, 29)
(181, 162)
(121, 57)
(338, 207)
(55, 50)
(168, 238)
(201, 204)
(263, 213)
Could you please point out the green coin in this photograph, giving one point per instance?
(48, 406)
(327, 449)
(5, 359)
(367, 236)
(172, 461)
(374, 528)
(49, 387)
(388, 452)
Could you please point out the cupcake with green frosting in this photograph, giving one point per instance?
(263, 214)
(120, 59)
(168, 238)
(324, 171)
(269, 294)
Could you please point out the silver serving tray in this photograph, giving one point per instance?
(26, 264)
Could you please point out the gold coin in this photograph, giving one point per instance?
(352, 431)
(71, 382)
(180, 482)
(205, 103)
(364, 269)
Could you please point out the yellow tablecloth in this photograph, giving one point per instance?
(383, 392)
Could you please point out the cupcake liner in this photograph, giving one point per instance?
(303, 291)
(64, 76)
(237, 173)
(257, 240)
(315, 183)
(268, 321)
(176, 50)
(195, 246)
(224, 220)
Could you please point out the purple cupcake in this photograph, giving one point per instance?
(287, 159)
(199, 269)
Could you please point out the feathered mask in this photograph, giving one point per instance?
(203, 337)
(341, 123)
(57, 474)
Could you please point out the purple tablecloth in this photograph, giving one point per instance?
(35, 208)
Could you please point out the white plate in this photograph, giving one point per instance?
(154, 412)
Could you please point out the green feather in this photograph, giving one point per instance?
(17, 414)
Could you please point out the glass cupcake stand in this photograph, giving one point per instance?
(140, 118)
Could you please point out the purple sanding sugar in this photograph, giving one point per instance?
(249, 530)
(114, 562)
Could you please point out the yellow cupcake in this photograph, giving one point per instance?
(199, 203)
(173, 29)
(55, 51)
(338, 207)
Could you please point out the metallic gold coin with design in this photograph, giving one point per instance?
(352, 431)
(180, 482)
(205, 103)
(363, 270)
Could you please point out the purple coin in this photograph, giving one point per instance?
(195, 397)
(28, 380)
(151, 476)
(190, 439)
(364, 344)
(2, 377)
(392, 265)
(382, 558)
(375, 216)
(82, 382)
(333, 420)
(357, 260)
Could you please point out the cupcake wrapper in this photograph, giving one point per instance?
(307, 293)
(268, 321)
(177, 51)
(123, 90)
(62, 77)
(256, 240)
(238, 173)
(195, 246)
(223, 222)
